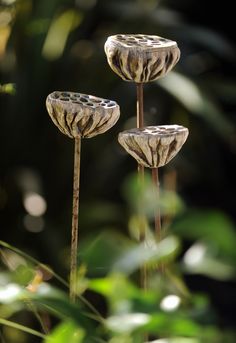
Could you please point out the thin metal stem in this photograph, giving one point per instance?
(75, 223)
(140, 121)
(157, 214)
(140, 124)
(140, 117)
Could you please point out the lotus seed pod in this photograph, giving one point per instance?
(81, 115)
(141, 58)
(154, 146)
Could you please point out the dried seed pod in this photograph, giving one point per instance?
(141, 58)
(81, 115)
(154, 146)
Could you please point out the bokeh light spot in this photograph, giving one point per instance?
(33, 224)
(170, 303)
(35, 204)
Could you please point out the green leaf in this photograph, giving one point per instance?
(23, 275)
(200, 259)
(127, 322)
(212, 227)
(115, 285)
(147, 254)
(96, 251)
(177, 340)
(61, 27)
(143, 199)
(47, 297)
(8, 88)
(34, 261)
(10, 293)
(66, 332)
(192, 97)
(172, 324)
(123, 295)
(21, 327)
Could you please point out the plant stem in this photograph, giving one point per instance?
(75, 225)
(140, 117)
(140, 124)
(157, 214)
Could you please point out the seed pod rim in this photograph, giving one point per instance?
(141, 64)
(153, 150)
(170, 44)
(67, 113)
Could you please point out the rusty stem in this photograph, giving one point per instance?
(140, 124)
(157, 214)
(140, 117)
(75, 223)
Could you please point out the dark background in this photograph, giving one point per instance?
(36, 157)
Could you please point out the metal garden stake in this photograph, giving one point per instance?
(79, 116)
(141, 59)
(154, 147)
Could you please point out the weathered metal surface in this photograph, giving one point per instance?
(154, 146)
(81, 115)
(141, 58)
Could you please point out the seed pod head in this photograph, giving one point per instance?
(81, 115)
(141, 58)
(154, 146)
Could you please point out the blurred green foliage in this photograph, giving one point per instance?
(58, 45)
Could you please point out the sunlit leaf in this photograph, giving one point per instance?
(143, 199)
(115, 285)
(58, 33)
(123, 296)
(127, 322)
(213, 227)
(46, 297)
(66, 332)
(123, 338)
(197, 102)
(8, 88)
(199, 259)
(147, 254)
(165, 324)
(177, 340)
(10, 293)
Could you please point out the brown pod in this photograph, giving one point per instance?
(80, 115)
(154, 146)
(141, 58)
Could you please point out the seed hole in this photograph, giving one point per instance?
(83, 99)
(55, 95)
(97, 101)
(64, 99)
(64, 94)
